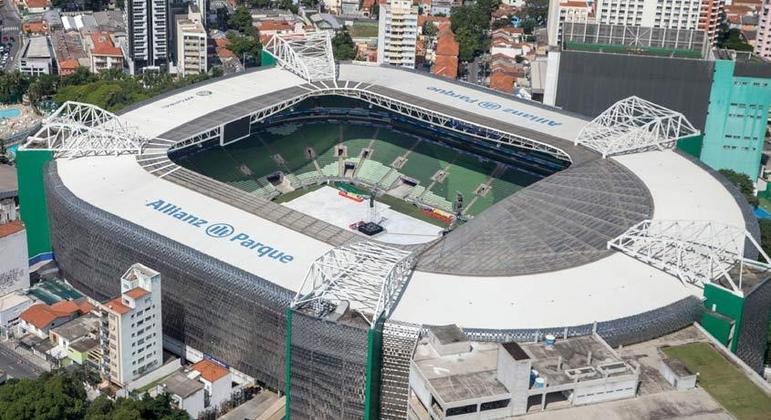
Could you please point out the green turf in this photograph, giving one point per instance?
(284, 198)
(723, 381)
(408, 209)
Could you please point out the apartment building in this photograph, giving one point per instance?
(709, 18)
(673, 14)
(763, 41)
(146, 21)
(130, 327)
(397, 33)
(104, 54)
(561, 11)
(191, 43)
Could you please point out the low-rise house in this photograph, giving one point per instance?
(103, 53)
(40, 318)
(216, 380)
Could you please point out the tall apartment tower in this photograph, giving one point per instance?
(397, 33)
(148, 32)
(191, 42)
(131, 334)
(763, 44)
(560, 11)
(709, 19)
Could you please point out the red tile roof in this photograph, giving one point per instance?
(446, 66)
(137, 293)
(446, 45)
(37, 3)
(117, 306)
(103, 45)
(8, 229)
(34, 27)
(209, 370)
(41, 315)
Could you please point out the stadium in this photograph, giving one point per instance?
(249, 194)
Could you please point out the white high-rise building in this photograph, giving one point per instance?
(397, 33)
(131, 333)
(672, 14)
(191, 43)
(148, 32)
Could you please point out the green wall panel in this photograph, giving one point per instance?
(32, 202)
(727, 304)
(691, 145)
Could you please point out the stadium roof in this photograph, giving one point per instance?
(536, 259)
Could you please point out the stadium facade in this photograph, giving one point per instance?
(561, 256)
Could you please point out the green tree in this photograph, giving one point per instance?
(342, 46)
(429, 29)
(241, 20)
(500, 23)
(735, 41)
(744, 183)
(245, 46)
(54, 396)
(13, 86)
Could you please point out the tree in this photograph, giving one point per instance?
(471, 23)
(342, 46)
(52, 396)
(744, 183)
(241, 20)
(245, 46)
(735, 41)
(13, 85)
(429, 29)
(500, 23)
(3, 152)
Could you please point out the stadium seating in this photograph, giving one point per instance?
(465, 172)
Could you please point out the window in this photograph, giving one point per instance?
(466, 409)
(494, 405)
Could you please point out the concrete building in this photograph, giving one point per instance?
(674, 14)
(560, 11)
(735, 129)
(104, 54)
(186, 393)
(191, 43)
(677, 374)
(709, 18)
(76, 339)
(216, 380)
(132, 340)
(11, 307)
(36, 57)
(14, 266)
(763, 40)
(146, 21)
(397, 33)
(452, 377)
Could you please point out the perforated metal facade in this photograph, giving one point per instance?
(753, 333)
(207, 304)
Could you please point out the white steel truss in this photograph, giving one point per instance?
(632, 125)
(428, 116)
(308, 55)
(79, 129)
(367, 275)
(697, 252)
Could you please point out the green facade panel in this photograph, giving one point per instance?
(718, 326)
(735, 128)
(266, 59)
(691, 145)
(32, 202)
(727, 304)
(374, 371)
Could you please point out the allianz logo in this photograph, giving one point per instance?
(494, 106)
(220, 231)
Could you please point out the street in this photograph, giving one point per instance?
(15, 365)
(10, 28)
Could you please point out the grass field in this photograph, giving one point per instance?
(283, 198)
(364, 30)
(408, 209)
(723, 381)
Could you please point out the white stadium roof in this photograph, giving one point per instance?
(609, 288)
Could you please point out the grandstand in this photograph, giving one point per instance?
(418, 169)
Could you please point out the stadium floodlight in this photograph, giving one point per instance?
(79, 129)
(634, 125)
(697, 252)
(308, 55)
(368, 276)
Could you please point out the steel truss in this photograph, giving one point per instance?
(79, 129)
(308, 55)
(697, 252)
(633, 125)
(433, 118)
(367, 275)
